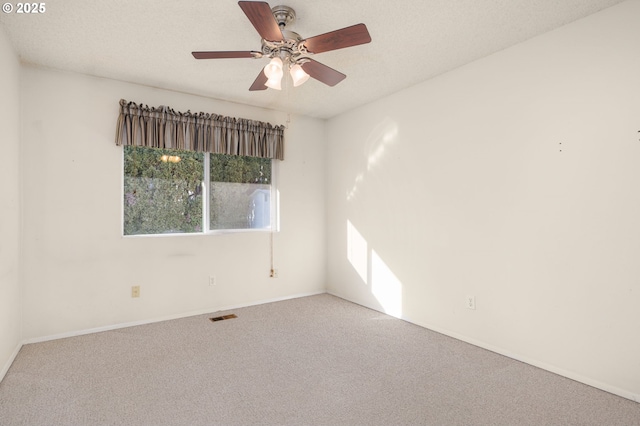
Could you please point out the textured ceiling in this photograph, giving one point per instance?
(150, 42)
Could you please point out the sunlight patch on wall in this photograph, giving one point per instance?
(385, 286)
(384, 135)
(354, 189)
(357, 251)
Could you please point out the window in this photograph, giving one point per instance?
(163, 192)
(239, 192)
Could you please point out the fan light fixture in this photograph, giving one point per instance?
(298, 75)
(273, 71)
(274, 68)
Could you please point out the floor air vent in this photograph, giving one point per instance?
(224, 317)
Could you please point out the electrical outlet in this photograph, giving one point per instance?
(274, 273)
(135, 291)
(212, 281)
(471, 302)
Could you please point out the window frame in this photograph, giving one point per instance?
(274, 201)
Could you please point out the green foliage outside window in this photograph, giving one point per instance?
(239, 192)
(238, 169)
(163, 191)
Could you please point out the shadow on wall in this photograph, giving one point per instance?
(371, 268)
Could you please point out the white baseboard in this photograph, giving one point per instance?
(7, 365)
(159, 319)
(518, 357)
(548, 367)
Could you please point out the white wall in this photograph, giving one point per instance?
(78, 269)
(458, 187)
(10, 301)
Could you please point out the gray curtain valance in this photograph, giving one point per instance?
(162, 127)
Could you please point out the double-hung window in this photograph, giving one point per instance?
(175, 191)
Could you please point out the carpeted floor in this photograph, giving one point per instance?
(311, 361)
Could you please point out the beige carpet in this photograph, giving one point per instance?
(311, 361)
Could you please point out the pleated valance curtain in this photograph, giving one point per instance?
(162, 127)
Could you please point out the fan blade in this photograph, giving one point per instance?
(258, 84)
(323, 73)
(224, 55)
(338, 39)
(260, 15)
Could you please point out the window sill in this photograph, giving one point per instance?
(201, 234)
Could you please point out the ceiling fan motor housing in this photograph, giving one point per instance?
(289, 49)
(284, 15)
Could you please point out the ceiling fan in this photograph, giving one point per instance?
(287, 49)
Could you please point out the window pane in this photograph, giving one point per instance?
(240, 192)
(162, 191)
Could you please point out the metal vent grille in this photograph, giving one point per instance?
(224, 317)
